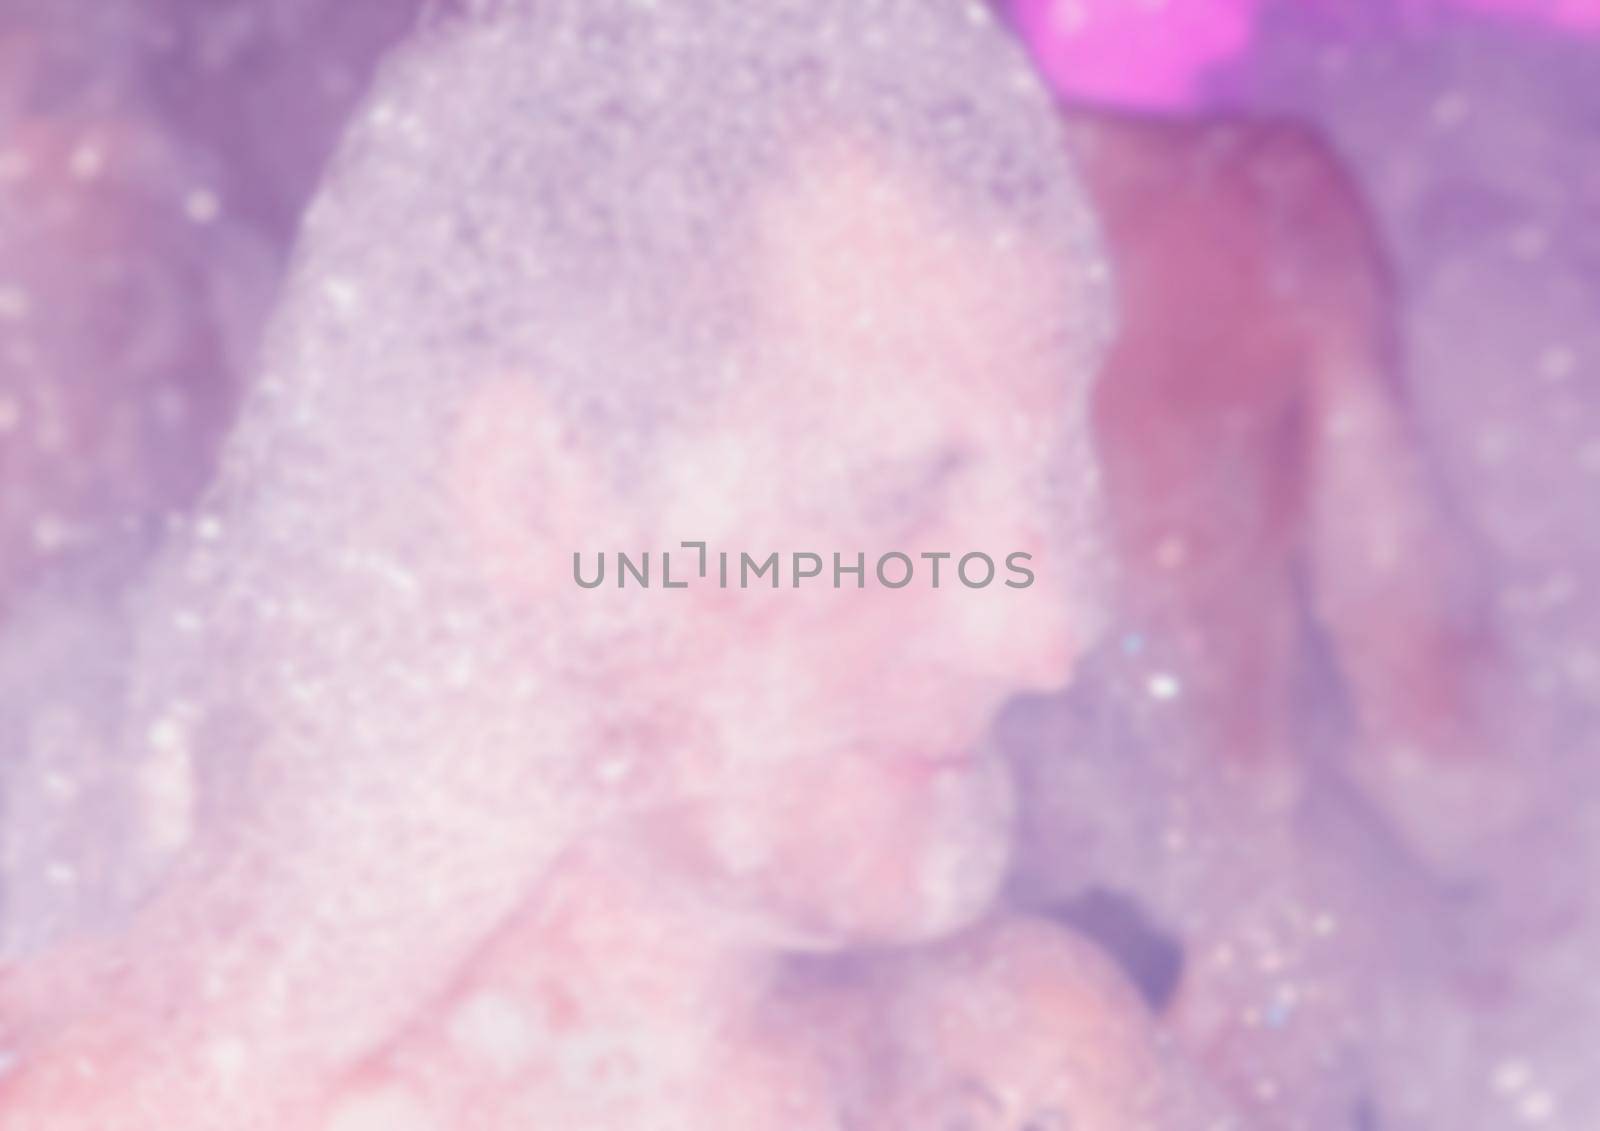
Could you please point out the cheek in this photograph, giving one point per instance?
(895, 666)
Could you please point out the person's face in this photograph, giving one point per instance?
(915, 418)
(829, 744)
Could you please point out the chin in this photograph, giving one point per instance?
(919, 872)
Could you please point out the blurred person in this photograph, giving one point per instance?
(1267, 486)
(1271, 504)
(580, 1018)
(402, 714)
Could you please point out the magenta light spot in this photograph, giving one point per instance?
(1145, 53)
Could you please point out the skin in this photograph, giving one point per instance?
(1023, 1027)
(1015, 1024)
(835, 789)
(607, 1004)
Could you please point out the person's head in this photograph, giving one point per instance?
(794, 278)
(903, 398)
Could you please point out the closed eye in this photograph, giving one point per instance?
(908, 494)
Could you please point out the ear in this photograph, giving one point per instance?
(528, 493)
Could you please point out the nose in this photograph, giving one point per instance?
(1046, 650)
(1020, 639)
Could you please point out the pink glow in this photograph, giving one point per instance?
(1150, 55)
(1153, 54)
